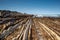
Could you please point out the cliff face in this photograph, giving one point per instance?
(6, 13)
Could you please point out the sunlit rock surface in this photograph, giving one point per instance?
(18, 26)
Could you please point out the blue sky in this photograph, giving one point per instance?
(43, 7)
